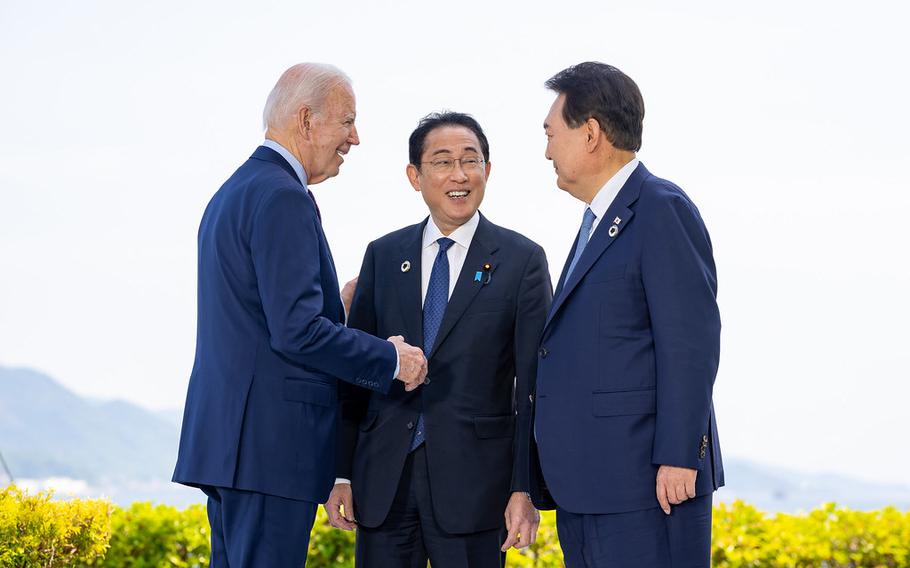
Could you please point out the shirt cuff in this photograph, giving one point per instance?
(397, 362)
(342, 480)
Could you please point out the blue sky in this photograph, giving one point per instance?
(785, 122)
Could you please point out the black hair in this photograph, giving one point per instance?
(436, 120)
(606, 94)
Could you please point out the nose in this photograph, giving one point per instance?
(354, 138)
(458, 172)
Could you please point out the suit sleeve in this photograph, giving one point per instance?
(681, 286)
(284, 245)
(534, 297)
(353, 400)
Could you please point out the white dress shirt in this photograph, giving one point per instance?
(608, 193)
(456, 254)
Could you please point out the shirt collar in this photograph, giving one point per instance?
(462, 236)
(286, 154)
(610, 190)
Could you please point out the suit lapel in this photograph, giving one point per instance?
(602, 237)
(407, 283)
(466, 288)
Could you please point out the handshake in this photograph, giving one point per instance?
(412, 365)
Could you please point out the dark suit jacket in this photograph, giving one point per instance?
(261, 409)
(628, 357)
(481, 370)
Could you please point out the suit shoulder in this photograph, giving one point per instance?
(666, 207)
(663, 195)
(656, 189)
(513, 239)
(395, 238)
(259, 179)
(271, 178)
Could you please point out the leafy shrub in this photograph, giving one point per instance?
(545, 552)
(828, 537)
(329, 547)
(147, 536)
(38, 531)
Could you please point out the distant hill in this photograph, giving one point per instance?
(127, 453)
(778, 489)
(117, 448)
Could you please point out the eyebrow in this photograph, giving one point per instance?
(447, 151)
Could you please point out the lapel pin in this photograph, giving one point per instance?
(613, 230)
(487, 268)
(477, 276)
(617, 221)
(405, 266)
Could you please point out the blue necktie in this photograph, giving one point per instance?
(434, 307)
(583, 235)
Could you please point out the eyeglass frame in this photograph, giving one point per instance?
(480, 163)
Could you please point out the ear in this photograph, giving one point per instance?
(304, 121)
(413, 176)
(487, 171)
(594, 136)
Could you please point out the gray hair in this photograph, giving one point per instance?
(304, 84)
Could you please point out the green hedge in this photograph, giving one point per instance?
(38, 531)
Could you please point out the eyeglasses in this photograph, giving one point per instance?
(446, 165)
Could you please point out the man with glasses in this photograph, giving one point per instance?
(441, 473)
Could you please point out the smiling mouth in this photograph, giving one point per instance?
(458, 194)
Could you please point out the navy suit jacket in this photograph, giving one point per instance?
(261, 408)
(476, 405)
(628, 358)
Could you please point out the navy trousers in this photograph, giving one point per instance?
(639, 539)
(410, 534)
(257, 530)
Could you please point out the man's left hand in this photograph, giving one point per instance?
(674, 485)
(340, 507)
(522, 520)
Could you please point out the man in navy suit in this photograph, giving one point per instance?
(259, 425)
(625, 428)
(442, 473)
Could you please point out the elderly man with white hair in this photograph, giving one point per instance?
(259, 426)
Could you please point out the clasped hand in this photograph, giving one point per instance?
(412, 365)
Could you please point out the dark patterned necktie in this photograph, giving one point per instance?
(434, 307)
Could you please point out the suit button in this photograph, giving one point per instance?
(531, 397)
(410, 425)
(543, 352)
